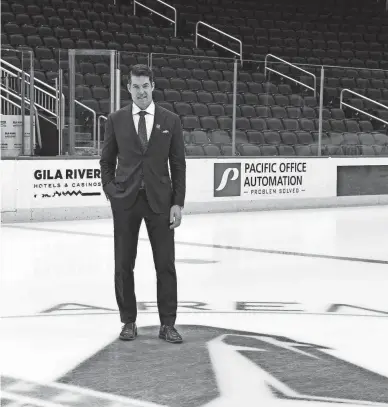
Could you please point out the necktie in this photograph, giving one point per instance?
(142, 130)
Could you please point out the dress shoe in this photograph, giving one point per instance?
(169, 334)
(129, 331)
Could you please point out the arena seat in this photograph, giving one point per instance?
(274, 116)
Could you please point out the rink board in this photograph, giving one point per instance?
(49, 189)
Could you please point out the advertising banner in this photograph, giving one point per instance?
(60, 183)
(11, 135)
(254, 179)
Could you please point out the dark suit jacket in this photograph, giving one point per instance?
(165, 145)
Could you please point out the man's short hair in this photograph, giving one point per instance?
(140, 70)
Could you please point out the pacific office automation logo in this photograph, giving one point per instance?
(227, 179)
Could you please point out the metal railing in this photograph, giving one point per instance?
(44, 95)
(314, 89)
(10, 102)
(99, 132)
(60, 108)
(21, 80)
(8, 77)
(342, 103)
(175, 21)
(18, 106)
(240, 54)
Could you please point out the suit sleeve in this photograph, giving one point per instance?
(178, 164)
(108, 154)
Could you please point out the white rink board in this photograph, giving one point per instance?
(40, 189)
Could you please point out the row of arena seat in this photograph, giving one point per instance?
(299, 14)
(319, 57)
(202, 96)
(35, 42)
(248, 95)
(79, 29)
(282, 29)
(274, 124)
(217, 115)
(57, 16)
(292, 138)
(127, 32)
(331, 49)
(98, 6)
(35, 5)
(174, 95)
(279, 112)
(252, 150)
(59, 37)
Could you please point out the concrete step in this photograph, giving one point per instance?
(77, 127)
(83, 136)
(84, 143)
(85, 151)
(80, 134)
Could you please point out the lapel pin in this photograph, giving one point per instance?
(158, 126)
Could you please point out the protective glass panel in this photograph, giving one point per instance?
(199, 89)
(293, 97)
(89, 90)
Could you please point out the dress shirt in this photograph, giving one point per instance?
(149, 118)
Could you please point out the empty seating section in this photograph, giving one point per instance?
(274, 116)
(310, 34)
(345, 33)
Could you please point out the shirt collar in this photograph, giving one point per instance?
(150, 109)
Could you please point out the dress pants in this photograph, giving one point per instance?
(126, 224)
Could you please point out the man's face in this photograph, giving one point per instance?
(141, 90)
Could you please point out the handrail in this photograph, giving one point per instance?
(26, 74)
(342, 103)
(37, 88)
(175, 21)
(8, 72)
(9, 101)
(15, 104)
(41, 105)
(288, 77)
(40, 90)
(216, 43)
(327, 66)
(99, 132)
(94, 120)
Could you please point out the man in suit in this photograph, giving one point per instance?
(144, 137)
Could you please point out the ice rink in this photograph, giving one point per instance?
(282, 308)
